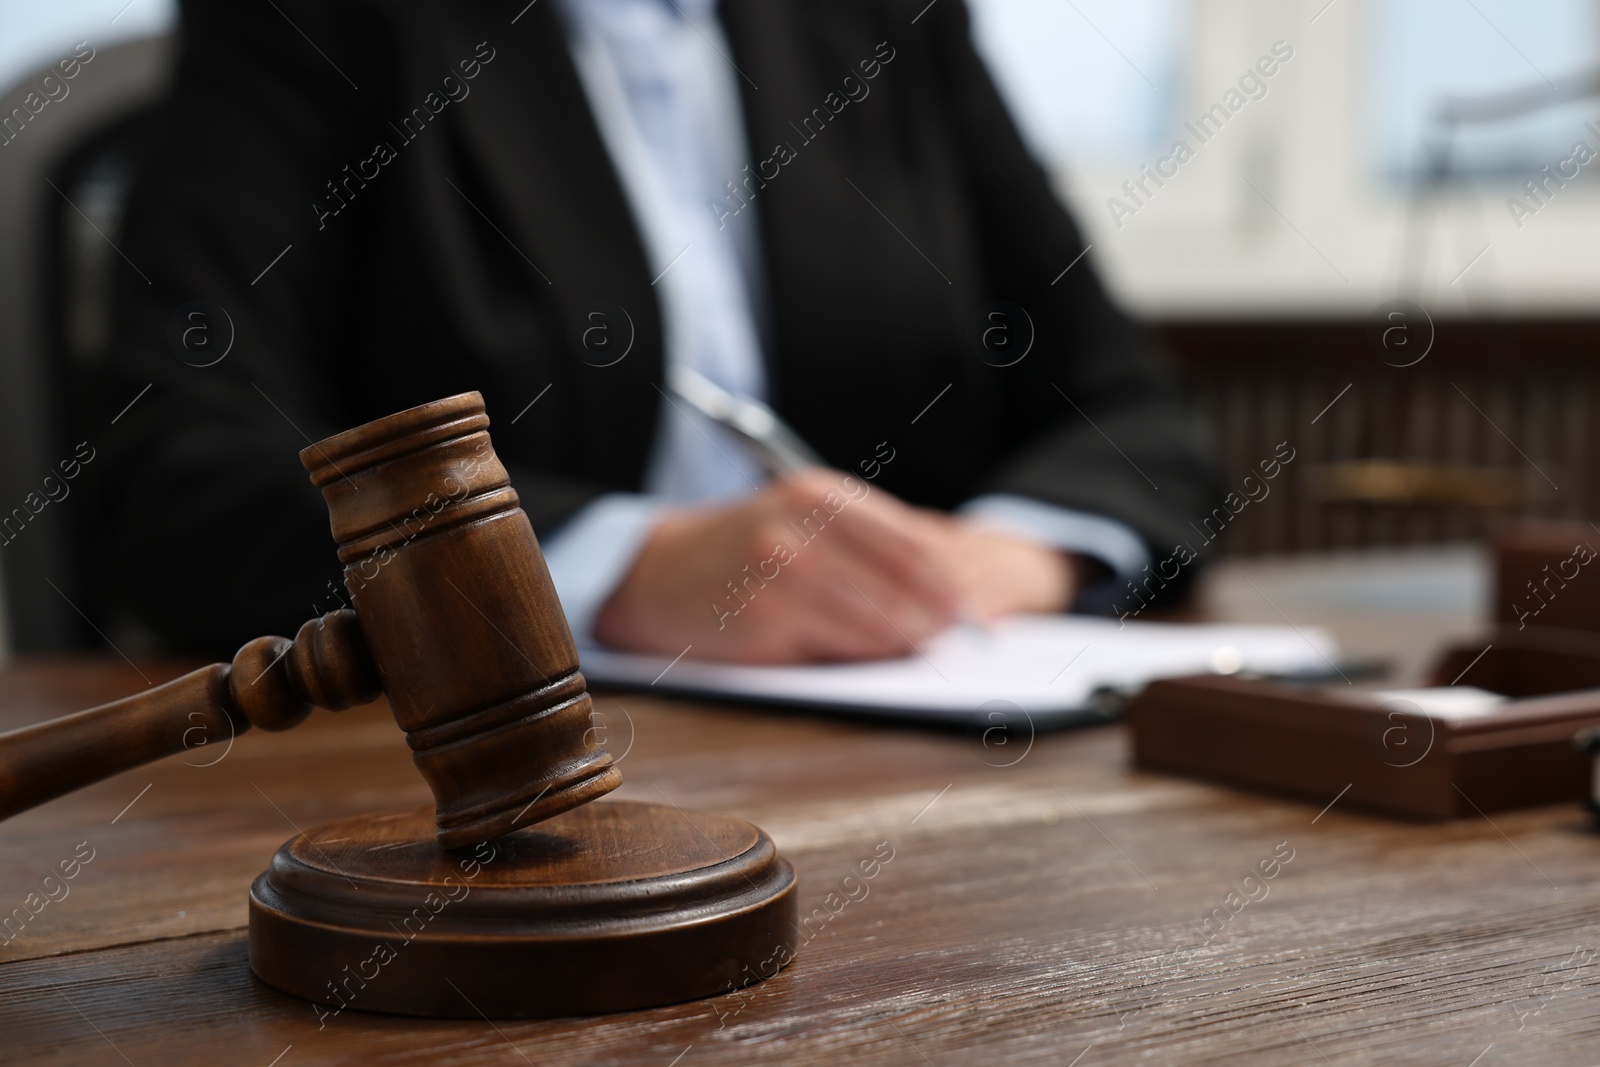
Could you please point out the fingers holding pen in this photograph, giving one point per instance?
(886, 536)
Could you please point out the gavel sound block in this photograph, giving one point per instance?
(515, 896)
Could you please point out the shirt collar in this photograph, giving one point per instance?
(599, 10)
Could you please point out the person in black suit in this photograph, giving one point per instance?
(377, 205)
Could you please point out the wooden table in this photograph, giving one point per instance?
(1043, 905)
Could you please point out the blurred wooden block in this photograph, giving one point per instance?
(1526, 662)
(1589, 741)
(1390, 757)
(1545, 575)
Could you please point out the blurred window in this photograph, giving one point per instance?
(1091, 81)
(1424, 52)
(38, 34)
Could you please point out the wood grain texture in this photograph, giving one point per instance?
(456, 622)
(46, 760)
(270, 684)
(1029, 912)
(460, 618)
(612, 906)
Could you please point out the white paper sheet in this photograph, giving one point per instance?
(1450, 703)
(1046, 665)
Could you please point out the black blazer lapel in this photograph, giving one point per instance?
(538, 169)
(871, 272)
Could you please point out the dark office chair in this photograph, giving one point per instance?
(63, 181)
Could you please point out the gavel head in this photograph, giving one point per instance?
(460, 619)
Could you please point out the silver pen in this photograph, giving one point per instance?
(775, 445)
(778, 448)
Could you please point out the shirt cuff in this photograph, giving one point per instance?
(592, 552)
(1106, 540)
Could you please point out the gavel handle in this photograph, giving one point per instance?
(272, 683)
(42, 762)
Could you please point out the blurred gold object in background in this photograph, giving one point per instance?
(1389, 482)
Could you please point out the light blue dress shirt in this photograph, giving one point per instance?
(665, 97)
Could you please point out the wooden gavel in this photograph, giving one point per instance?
(455, 619)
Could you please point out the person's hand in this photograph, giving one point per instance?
(816, 566)
(996, 574)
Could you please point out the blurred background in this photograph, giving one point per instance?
(1382, 253)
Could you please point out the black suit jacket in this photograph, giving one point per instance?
(466, 259)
